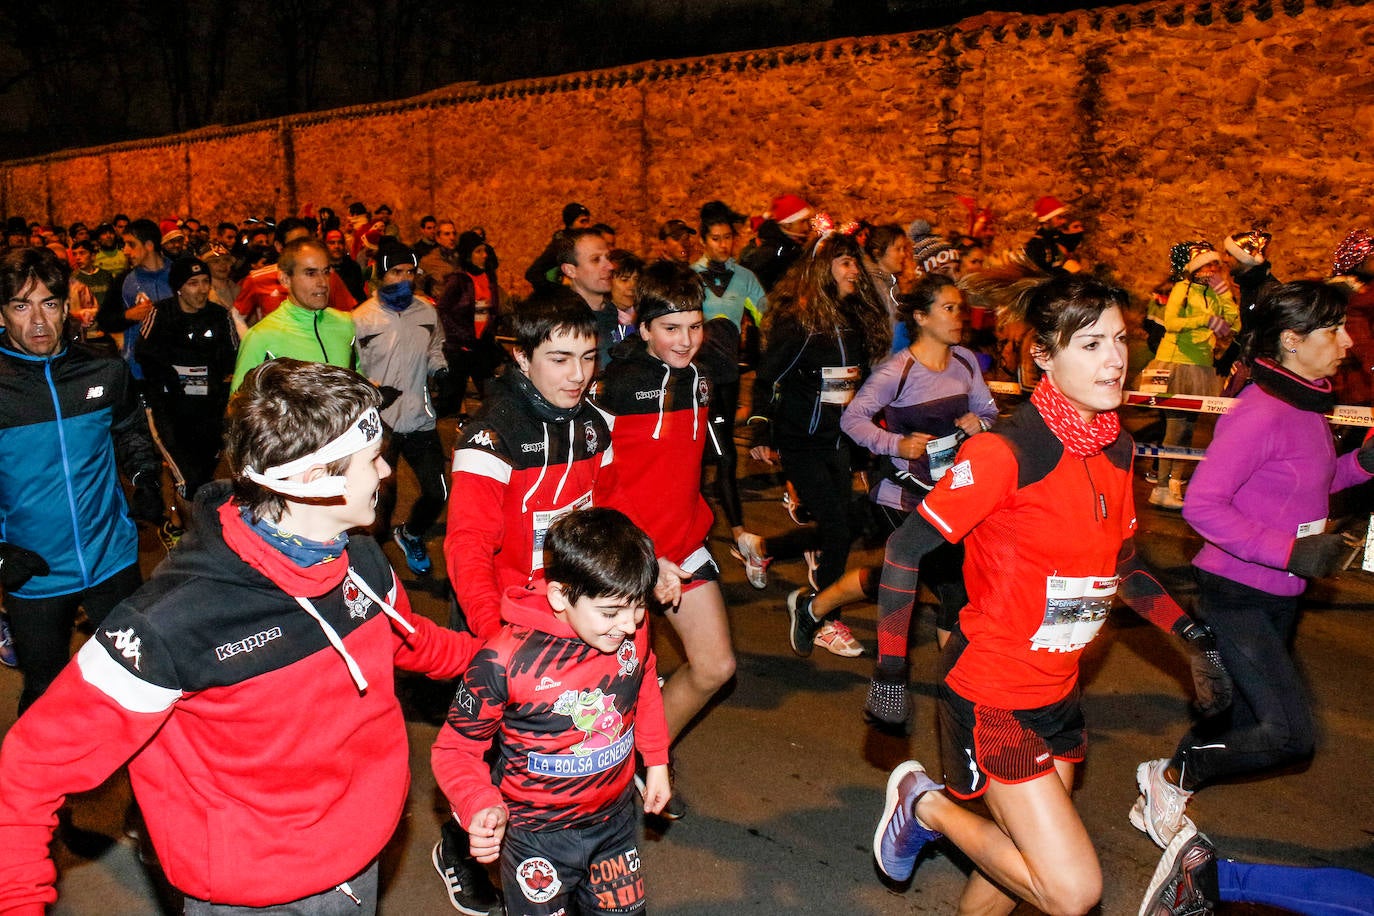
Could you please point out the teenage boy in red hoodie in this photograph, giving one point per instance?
(569, 689)
(249, 683)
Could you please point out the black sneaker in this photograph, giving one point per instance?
(469, 887)
(802, 628)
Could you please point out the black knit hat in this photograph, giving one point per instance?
(183, 269)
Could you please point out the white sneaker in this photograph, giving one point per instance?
(749, 550)
(836, 637)
(1159, 811)
(1161, 497)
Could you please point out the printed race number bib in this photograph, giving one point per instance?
(540, 522)
(1075, 609)
(839, 384)
(940, 454)
(195, 380)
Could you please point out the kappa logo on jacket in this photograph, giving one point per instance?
(483, 439)
(128, 645)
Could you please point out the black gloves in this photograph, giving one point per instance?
(1211, 680)
(1317, 555)
(389, 395)
(18, 565)
(1365, 456)
(146, 503)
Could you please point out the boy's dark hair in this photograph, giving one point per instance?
(625, 264)
(565, 244)
(665, 287)
(287, 408)
(599, 553)
(145, 230)
(287, 226)
(23, 267)
(548, 312)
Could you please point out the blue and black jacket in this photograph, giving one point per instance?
(66, 422)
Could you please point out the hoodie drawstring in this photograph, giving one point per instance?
(662, 398)
(333, 636)
(567, 469)
(543, 469)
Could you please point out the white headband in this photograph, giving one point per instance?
(366, 430)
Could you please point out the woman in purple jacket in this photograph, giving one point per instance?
(1260, 502)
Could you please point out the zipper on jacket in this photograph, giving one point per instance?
(1099, 499)
(67, 475)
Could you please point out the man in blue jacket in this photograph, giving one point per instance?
(67, 416)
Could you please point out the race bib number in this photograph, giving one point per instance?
(195, 380)
(839, 384)
(1155, 381)
(1307, 529)
(1368, 564)
(940, 454)
(541, 521)
(1075, 609)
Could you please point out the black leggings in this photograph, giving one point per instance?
(721, 415)
(1269, 723)
(42, 627)
(425, 455)
(825, 486)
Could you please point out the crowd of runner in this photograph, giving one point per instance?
(141, 359)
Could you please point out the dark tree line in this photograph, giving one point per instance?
(80, 72)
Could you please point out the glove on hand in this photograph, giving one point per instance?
(1317, 555)
(18, 565)
(1365, 456)
(146, 503)
(389, 395)
(1211, 680)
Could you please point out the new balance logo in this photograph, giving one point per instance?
(547, 683)
(128, 645)
(95, 391)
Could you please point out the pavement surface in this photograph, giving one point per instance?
(785, 782)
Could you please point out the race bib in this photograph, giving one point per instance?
(1075, 609)
(839, 384)
(540, 521)
(195, 380)
(940, 454)
(1155, 381)
(1307, 529)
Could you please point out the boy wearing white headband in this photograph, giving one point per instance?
(251, 679)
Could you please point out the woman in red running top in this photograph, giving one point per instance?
(1043, 504)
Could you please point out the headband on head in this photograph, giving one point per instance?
(363, 432)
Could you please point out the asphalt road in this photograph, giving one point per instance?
(785, 782)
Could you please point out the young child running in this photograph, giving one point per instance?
(569, 688)
(659, 431)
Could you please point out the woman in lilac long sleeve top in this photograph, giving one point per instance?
(1260, 501)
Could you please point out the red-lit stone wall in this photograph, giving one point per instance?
(1155, 120)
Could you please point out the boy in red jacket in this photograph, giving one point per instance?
(249, 683)
(569, 688)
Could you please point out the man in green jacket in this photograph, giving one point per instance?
(303, 327)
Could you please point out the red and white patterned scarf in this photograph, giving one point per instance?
(1080, 439)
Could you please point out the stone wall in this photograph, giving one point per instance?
(1156, 121)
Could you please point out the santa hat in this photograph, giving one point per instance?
(1047, 208)
(1248, 246)
(789, 208)
(1186, 257)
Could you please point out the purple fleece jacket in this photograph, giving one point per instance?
(1271, 467)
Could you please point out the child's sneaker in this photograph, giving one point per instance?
(835, 636)
(1159, 809)
(469, 887)
(900, 836)
(417, 557)
(8, 658)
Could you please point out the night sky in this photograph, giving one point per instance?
(83, 73)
